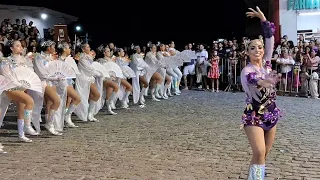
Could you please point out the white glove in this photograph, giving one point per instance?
(62, 83)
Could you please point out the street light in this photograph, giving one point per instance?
(44, 16)
(78, 28)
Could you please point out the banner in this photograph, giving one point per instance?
(61, 33)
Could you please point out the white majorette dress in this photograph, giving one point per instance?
(140, 67)
(72, 64)
(52, 73)
(15, 68)
(115, 73)
(99, 83)
(154, 65)
(85, 110)
(5, 85)
(128, 73)
(65, 74)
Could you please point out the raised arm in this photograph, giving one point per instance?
(85, 66)
(268, 30)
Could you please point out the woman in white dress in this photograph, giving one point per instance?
(176, 83)
(51, 81)
(86, 86)
(14, 69)
(73, 99)
(171, 75)
(10, 89)
(140, 67)
(152, 76)
(111, 84)
(128, 73)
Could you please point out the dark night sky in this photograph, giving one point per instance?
(124, 23)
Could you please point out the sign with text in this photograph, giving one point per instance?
(61, 33)
(303, 4)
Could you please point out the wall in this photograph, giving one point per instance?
(288, 21)
(33, 14)
(308, 22)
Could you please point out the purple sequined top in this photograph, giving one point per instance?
(251, 74)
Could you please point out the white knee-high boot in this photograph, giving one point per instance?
(124, 102)
(67, 118)
(153, 90)
(91, 113)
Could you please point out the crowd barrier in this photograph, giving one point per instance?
(301, 81)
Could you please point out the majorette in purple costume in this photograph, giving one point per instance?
(261, 113)
(261, 108)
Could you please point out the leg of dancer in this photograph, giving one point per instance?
(177, 85)
(93, 98)
(25, 108)
(174, 78)
(73, 101)
(156, 80)
(128, 90)
(111, 88)
(167, 86)
(188, 70)
(144, 84)
(261, 142)
(52, 104)
(28, 129)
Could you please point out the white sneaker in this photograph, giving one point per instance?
(2, 151)
(69, 122)
(24, 139)
(155, 99)
(124, 105)
(158, 96)
(91, 118)
(113, 106)
(109, 109)
(29, 130)
(51, 129)
(142, 100)
(165, 96)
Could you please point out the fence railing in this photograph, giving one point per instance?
(299, 81)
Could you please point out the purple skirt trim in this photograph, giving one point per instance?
(266, 121)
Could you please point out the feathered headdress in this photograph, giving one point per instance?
(118, 49)
(47, 43)
(101, 48)
(136, 47)
(62, 45)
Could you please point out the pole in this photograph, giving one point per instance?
(75, 42)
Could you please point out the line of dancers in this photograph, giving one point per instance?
(83, 84)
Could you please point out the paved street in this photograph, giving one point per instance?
(195, 136)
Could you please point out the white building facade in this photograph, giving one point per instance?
(34, 14)
(299, 15)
